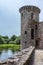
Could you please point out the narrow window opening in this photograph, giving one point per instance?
(32, 33)
(37, 43)
(25, 32)
(25, 42)
(32, 15)
(22, 14)
(36, 27)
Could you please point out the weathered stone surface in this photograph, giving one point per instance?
(29, 18)
(21, 57)
(37, 59)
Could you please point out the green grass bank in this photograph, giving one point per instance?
(14, 47)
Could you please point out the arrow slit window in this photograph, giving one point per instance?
(32, 15)
(32, 33)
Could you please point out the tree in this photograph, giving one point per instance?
(11, 42)
(17, 40)
(13, 37)
(6, 39)
(2, 41)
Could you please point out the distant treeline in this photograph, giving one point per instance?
(12, 40)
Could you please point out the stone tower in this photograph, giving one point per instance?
(29, 25)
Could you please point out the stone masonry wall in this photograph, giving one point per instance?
(29, 14)
(41, 34)
(21, 58)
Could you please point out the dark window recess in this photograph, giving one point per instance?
(37, 43)
(32, 33)
(22, 14)
(36, 27)
(25, 42)
(25, 32)
(32, 15)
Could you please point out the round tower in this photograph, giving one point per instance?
(29, 25)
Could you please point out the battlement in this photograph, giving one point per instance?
(30, 8)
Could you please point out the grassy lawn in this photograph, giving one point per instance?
(14, 47)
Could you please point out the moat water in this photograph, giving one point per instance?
(5, 54)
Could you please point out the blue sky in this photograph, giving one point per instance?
(10, 16)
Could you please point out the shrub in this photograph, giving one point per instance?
(11, 42)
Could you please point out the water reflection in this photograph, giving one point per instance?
(5, 54)
(0, 52)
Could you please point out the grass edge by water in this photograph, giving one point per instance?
(15, 47)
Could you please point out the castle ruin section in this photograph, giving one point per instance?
(41, 35)
(29, 25)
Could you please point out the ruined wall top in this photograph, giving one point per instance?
(29, 8)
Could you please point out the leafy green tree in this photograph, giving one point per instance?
(5, 37)
(2, 41)
(13, 37)
(11, 42)
(17, 40)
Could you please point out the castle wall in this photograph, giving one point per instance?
(25, 38)
(29, 20)
(41, 34)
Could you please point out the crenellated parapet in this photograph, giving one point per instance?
(30, 8)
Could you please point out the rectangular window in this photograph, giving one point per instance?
(32, 33)
(25, 32)
(32, 15)
(36, 27)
